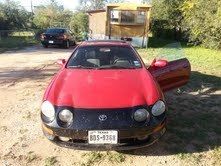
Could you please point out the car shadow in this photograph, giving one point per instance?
(194, 113)
(60, 47)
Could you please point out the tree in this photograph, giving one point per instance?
(96, 4)
(79, 24)
(91, 4)
(13, 16)
(202, 20)
(51, 14)
(167, 18)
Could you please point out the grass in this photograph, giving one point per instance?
(31, 157)
(194, 110)
(16, 42)
(116, 157)
(22, 131)
(202, 59)
(50, 161)
(97, 157)
(217, 156)
(93, 157)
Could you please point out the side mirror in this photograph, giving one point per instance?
(61, 62)
(159, 63)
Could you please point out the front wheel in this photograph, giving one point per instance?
(67, 44)
(74, 43)
(45, 45)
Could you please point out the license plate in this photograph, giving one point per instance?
(102, 137)
(50, 41)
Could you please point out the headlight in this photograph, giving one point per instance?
(47, 110)
(66, 116)
(158, 108)
(141, 115)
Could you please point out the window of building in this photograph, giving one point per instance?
(114, 16)
(128, 17)
(141, 17)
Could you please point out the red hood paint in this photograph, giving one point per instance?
(82, 88)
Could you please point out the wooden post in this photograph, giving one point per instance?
(148, 25)
(108, 23)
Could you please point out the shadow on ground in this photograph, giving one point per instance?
(194, 118)
(37, 48)
(12, 77)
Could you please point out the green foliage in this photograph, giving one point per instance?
(116, 157)
(196, 21)
(79, 25)
(13, 16)
(91, 4)
(50, 161)
(51, 15)
(96, 4)
(202, 18)
(167, 19)
(16, 42)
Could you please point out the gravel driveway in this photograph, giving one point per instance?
(24, 76)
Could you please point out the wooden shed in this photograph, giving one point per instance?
(124, 21)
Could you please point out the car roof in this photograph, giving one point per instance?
(105, 43)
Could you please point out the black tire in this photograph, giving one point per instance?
(74, 43)
(45, 45)
(67, 44)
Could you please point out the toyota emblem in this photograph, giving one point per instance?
(102, 117)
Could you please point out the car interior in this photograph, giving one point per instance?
(104, 56)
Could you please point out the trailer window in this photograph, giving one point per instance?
(114, 16)
(127, 17)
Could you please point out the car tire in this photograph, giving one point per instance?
(74, 43)
(45, 45)
(67, 44)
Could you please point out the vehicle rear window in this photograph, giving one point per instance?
(104, 57)
(55, 31)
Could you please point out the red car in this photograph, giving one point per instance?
(104, 97)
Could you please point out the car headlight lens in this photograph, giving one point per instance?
(47, 110)
(141, 115)
(65, 116)
(158, 108)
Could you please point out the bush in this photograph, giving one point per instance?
(202, 19)
(79, 25)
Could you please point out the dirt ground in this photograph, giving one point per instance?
(24, 76)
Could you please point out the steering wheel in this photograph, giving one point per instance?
(122, 59)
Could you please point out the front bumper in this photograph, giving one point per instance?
(55, 42)
(128, 139)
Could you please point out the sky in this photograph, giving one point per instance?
(68, 4)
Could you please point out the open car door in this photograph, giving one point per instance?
(171, 75)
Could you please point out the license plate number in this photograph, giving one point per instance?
(102, 137)
(50, 41)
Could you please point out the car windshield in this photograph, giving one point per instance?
(55, 31)
(104, 57)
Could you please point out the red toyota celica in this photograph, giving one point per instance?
(104, 97)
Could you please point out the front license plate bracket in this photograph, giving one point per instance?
(103, 137)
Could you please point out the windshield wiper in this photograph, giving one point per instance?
(81, 67)
(117, 67)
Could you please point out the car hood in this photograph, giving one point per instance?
(82, 88)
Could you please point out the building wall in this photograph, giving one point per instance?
(97, 25)
(127, 30)
(101, 28)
